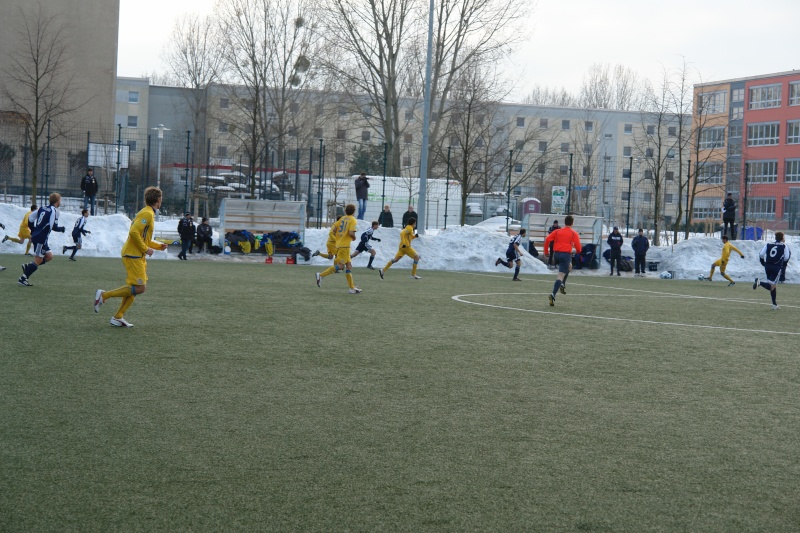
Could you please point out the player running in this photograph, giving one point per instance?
(406, 236)
(773, 256)
(345, 231)
(44, 220)
(564, 240)
(78, 232)
(722, 262)
(330, 244)
(364, 246)
(513, 254)
(24, 231)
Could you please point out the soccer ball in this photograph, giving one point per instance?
(666, 275)
(701, 277)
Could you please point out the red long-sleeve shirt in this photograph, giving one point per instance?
(563, 240)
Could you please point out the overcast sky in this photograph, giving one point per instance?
(721, 39)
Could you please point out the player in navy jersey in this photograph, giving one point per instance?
(44, 220)
(363, 245)
(513, 254)
(773, 256)
(78, 231)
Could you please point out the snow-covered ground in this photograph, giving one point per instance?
(467, 248)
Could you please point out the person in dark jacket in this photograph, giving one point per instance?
(362, 188)
(640, 245)
(204, 233)
(614, 242)
(409, 214)
(549, 231)
(729, 215)
(186, 231)
(89, 187)
(385, 218)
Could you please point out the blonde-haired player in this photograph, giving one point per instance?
(345, 231)
(406, 236)
(137, 248)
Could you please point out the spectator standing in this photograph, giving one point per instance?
(89, 187)
(24, 231)
(728, 215)
(564, 241)
(204, 233)
(614, 242)
(186, 231)
(409, 214)
(640, 245)
(773, 256)
(550, 252)
(78, 231)
(385, 218)
(362, 188)
(44, 220)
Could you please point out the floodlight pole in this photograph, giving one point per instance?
(426, 125)
(160, 129)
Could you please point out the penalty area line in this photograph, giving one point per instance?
(460, 298)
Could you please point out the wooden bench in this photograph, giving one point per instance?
(262, 216)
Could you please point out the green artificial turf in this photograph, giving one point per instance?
(247, 398)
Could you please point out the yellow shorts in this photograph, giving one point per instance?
(409, 251)
(721, 264)
(331, 248)
(342, 256)
(24, 235)
(136, 269)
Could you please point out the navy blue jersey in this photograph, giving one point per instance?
(78, 230)
(775, 253)
(367, 235)
(515, 241)
(44, 220)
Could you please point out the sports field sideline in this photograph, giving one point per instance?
(246, 397)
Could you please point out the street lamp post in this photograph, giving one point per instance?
(630, 183)
(160, 129)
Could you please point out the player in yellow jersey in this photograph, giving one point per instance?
(137, 248)
(406, 236)
(330, 245)
(345, 231)
(24, 231)
(722, 262)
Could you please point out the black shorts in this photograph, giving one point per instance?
(564, 261)
(363, 247)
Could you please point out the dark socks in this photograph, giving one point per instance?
(370, 260)
(774, 295)
(556, 286)
(74, 251)
(516, 272)
(565, 278)
(30, 268)
(505, 263)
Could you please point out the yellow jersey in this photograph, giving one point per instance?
(344, 227)
(140, 236)
(406, 236)
(24, 230)
(332, 233)
(726, 251)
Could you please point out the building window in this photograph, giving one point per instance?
(409, 115)
(540, 168)
(648, 153)
(366, 135)
(342, 110)
(341, 135)
(712, 103)
(319, 109)
(626, 173)
(132, 146)
(671, 153)
(542, 146)
(133, 122)
(479, 143)
(765, 96)
(794, 93)
(454, 141)
(564, 148)
(224, 103)
(520, 122)
(648, 174)
(477, 166)
(587, 148)
(627, 151)
(408, 138)
(762, 171)
(588, 126)
(565, 125)
(294, 107)
(608, 136)
(318, 133)
(518, 145)
(367, 111)
(586, 171)
(518, 168)
(222, 128)
(709, 173)
(735, 148)
(761, 208)
(734, 170)
(406, 160)
(543, 123)
(563, 170)
(340, 157)
(133, 97)
(672, 131)
(737, 95)
(712, 138)
(793, 132)
(737, 112)
(763, 134)
(669, 175)
(791, 206)
(668, 198)
(222, 151)
(701, 212)
(625, 196)
(651, 130)
(792, 174)
(292, 132)
(628, 129)
(735, 131)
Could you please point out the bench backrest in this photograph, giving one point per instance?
(590, 229)
(261, 216)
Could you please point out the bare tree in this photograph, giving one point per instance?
(39, 83)
(605, 87)
(545, 96)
